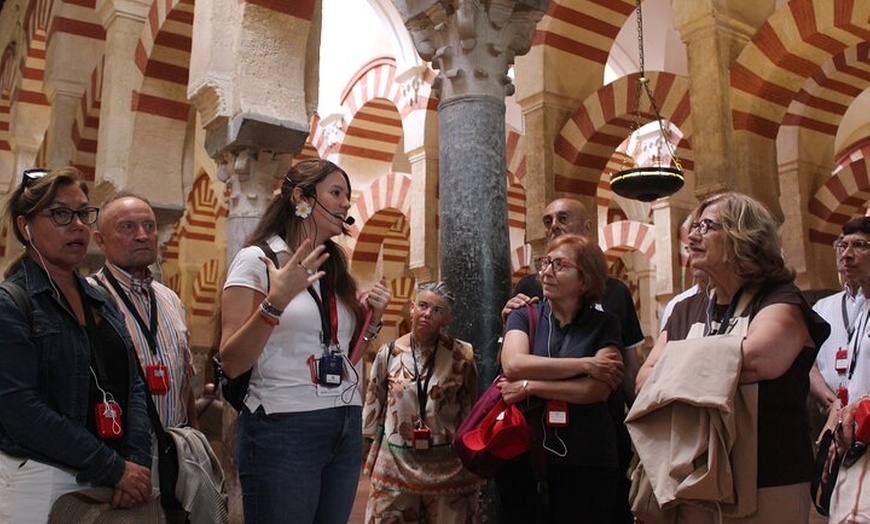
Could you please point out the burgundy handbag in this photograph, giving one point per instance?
(493, 431)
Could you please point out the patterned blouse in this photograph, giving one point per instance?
(391, 410)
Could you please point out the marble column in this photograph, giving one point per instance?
(472, 44)
(124, 21)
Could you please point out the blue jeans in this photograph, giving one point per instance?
(299, 467)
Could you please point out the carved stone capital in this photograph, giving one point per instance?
(472, 43)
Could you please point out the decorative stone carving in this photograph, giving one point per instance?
(472, 43)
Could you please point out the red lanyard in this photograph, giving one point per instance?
(328, 315)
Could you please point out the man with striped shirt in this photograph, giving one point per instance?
(127, 234)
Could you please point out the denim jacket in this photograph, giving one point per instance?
(44, 381)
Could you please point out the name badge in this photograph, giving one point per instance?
(556, 413)
(422, 439)
(841, 361)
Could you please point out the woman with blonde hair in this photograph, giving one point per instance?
(733, 238)
(422, 387)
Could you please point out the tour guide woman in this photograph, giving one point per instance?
(68, 357)
(299, 438)
(733, 238)
(572, 366)
(421, 389)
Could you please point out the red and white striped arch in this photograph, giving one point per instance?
(852, 153)
(783, 57)
(628, 235)
(373, 107)
(588, 141)
(206, 288)
(86, 127)
(163, 58)
(583, 28)
(391, 191)
(842, 197)
(204, 208)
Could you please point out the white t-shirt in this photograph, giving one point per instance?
(859, 351)
(830, 308)
(281, 378)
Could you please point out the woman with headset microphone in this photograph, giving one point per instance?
(299, 439)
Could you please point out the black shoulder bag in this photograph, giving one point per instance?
(234, 390)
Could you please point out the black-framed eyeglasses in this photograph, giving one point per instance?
(859, 246)
(63, 216)
(29, 176)
(705, 225)
(543, 263)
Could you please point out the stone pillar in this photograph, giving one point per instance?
(668, 215)
(714, 38)
(544, 115)
(65, 99)
(472, 45)
(423, 257)
(255, 108)
(124, 21)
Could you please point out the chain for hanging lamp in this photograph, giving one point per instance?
(648, 183)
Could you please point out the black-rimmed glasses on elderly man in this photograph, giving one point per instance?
(29, 176)
(859, 246)
(63, 216)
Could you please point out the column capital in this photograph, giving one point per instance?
(471, 43)
(110, 10)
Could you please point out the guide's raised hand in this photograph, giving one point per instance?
(302, 270)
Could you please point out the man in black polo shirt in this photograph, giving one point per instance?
(566, 215)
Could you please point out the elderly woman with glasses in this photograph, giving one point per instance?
(422, 386)
(733, 239)
(72, 404)
(568, 372)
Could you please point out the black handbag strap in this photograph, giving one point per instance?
(822, 491)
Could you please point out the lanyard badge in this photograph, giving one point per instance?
(841, 361)
(158, 378)
(422, 438)
(556, 414)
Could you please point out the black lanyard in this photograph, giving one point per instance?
(423, 388)
(91, 327)
(849, 326)
(726, 320)
(328, 315)
(856, 343)
(150, 332)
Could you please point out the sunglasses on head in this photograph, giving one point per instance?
(29, 176)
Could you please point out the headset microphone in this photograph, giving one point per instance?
(347, 220)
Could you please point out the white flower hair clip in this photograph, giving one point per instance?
(303, 210)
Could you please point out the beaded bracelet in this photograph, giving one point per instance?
(267, 306)
(373, 331)
(267, 318)
(269, 313)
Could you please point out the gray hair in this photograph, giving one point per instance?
(439, 288)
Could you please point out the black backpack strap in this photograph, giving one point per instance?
(271, 255)
(18, 295)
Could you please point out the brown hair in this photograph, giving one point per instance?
(34, 195)
(590, 258)
(280, 219)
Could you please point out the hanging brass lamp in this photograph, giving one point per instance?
(665, 174)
